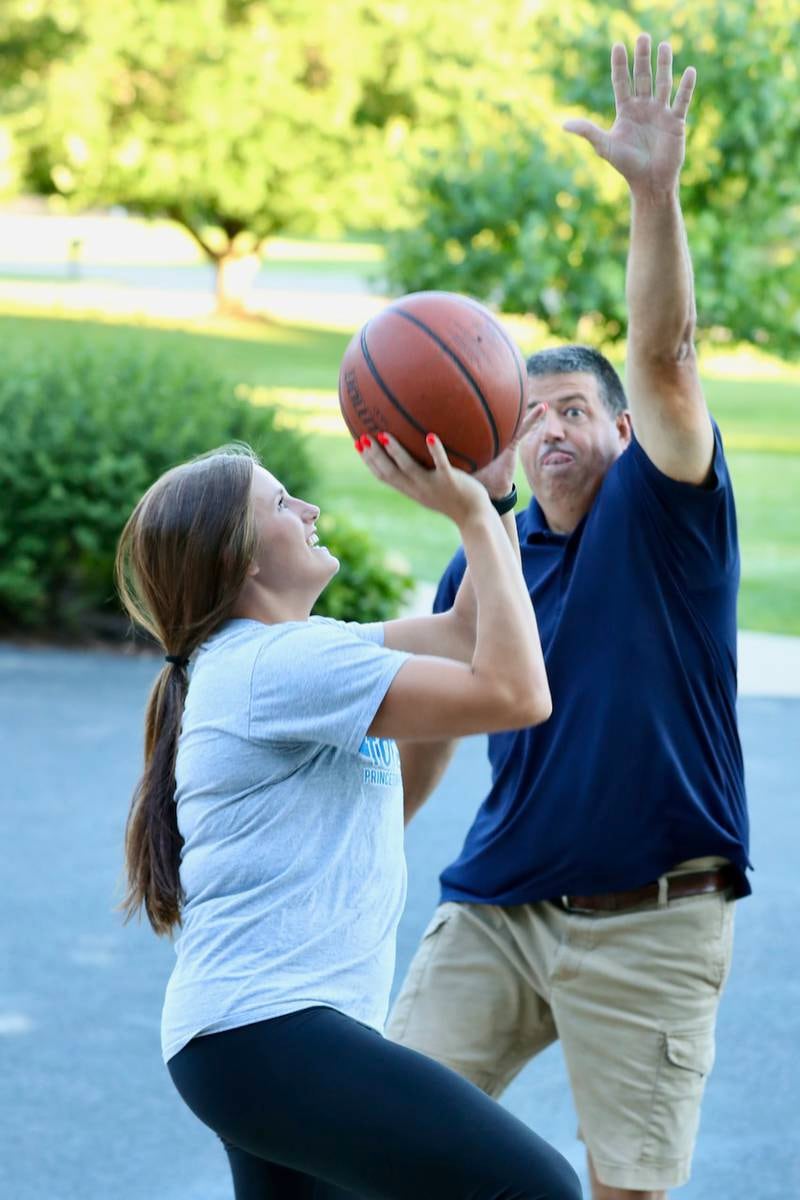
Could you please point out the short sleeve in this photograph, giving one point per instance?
(696, 523)
(370, 631)
(318, 681)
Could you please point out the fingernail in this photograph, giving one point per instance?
(431, 439)
(383, 439)
(357, 444)
(365, 442)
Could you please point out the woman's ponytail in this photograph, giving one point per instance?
(181, 562)
(152, 840)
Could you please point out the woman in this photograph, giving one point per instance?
(268, 829)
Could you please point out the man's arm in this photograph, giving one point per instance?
(422, 765)
(646, 145)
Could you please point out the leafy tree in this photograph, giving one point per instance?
(551, 236)
(740, 186)
(242, 119)
(515, 224)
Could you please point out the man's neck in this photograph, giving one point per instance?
(565, 513)
(562, 518)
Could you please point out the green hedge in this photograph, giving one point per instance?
(365, 588)
(84, 436)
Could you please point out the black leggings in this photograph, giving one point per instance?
(314, 1105)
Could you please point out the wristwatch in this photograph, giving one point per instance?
(505, 503)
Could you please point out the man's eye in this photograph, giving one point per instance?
(574, 412)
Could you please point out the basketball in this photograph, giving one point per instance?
(435, 362)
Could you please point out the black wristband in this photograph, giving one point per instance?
(505, 503)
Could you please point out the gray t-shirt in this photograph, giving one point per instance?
(292, 819)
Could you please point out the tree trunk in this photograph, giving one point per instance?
(236, 275)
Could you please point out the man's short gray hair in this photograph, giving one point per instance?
(567, 360)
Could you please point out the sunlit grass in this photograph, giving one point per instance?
(296, 368)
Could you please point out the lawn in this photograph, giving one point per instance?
(296, 367)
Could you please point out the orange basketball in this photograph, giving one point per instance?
(435, 362)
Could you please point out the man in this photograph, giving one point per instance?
(592, 900)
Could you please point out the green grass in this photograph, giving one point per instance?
(300, 267)
(760, 421)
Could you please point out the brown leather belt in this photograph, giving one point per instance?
(671, 887)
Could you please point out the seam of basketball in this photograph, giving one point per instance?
(462, 368)
(375, 373)
(478, 308)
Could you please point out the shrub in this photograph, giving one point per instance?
(367, 587)
(84, 437)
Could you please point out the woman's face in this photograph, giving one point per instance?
(288, 560)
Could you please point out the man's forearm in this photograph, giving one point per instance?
(423, 764)
(660, 286)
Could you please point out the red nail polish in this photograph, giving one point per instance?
(357, 444)
(365, 442)
(383, 439)
(431, 439)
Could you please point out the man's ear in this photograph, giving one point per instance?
(624, 428)
(253, 569)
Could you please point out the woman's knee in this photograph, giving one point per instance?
(561, 1184)
(568, 1186)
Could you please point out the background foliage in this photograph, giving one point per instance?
(535, 223)
(242, 119)
(85, 434)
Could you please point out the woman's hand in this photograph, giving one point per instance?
(445, 489)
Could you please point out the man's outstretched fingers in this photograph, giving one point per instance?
(594, 135)
(620, 78)
(642, 67)
(664, 73)
(683, 96)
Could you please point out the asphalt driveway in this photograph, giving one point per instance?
(88, 1112)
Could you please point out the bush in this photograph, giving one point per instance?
(84, 437)
(367, 587)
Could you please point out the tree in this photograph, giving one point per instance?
(740, 187)
(515, 224)
(550, 236)
(241, 119)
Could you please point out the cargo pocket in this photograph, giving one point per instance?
(406, 1013)
(685, 1062)
(442, 915)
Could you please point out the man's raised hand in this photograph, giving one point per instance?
(647, 140)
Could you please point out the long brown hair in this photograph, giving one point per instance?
(181, 562)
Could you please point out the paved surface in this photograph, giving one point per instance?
(336, 298)
(88, 1112)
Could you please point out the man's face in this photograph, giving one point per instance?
(569, 450)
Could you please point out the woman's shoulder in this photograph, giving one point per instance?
(251, 637)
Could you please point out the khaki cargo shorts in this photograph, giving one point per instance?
(632, 997)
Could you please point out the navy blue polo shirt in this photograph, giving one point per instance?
(640, 765)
